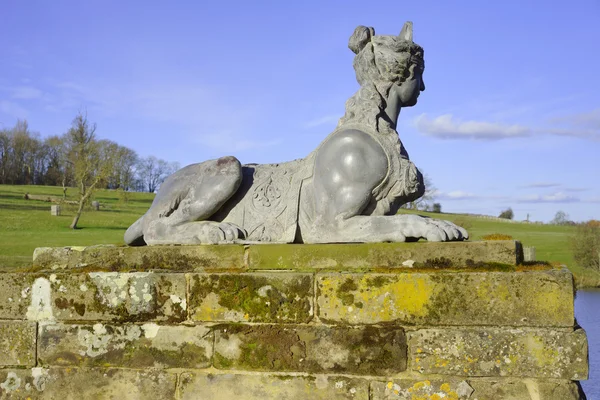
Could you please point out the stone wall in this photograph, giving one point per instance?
(360, 321)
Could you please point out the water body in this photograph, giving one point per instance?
(587, 311)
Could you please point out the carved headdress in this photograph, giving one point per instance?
(380, 62)
(384, 58)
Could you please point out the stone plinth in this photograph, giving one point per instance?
(360, 321)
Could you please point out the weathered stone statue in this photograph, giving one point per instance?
(347, 190)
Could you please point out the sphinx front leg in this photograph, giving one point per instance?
(392, 228)
(194, 232)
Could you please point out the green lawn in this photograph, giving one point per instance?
(27, 224)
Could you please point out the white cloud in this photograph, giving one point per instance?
(589, 119)
(456, 195)
(558, 197)
(448, 127)
(576, 189)
(540, 185)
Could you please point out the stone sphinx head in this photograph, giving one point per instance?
(394, 64)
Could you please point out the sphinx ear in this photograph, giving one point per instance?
(407, 32)
(359, 39)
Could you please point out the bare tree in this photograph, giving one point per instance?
(90, 159)
(153, 171)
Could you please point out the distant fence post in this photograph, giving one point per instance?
(55, 210)
(529, 253)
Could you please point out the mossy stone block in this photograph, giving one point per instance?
(457, 388)
(264, 386)
(88, 383)
(17, 343)
(532, 298)
(133, 346)
(155, 258)
(251, 297)
(94, 296)
(316, 349)
(537, 353)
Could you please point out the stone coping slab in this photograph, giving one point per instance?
(300, 257)
(105, 383)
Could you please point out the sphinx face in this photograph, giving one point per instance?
(411, 88)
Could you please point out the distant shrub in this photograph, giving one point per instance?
(463, 223)
(437, 208)
(585, 245)
(507, 214)
(497, 236)
(593, 223)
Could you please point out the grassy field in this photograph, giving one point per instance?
(27, 224)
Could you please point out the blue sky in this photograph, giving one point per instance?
(510, 117)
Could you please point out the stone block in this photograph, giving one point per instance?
(156, 258)
(96, 296)
(347, 350)
(17, 343)
(490, 352)
(75, 383)
(199, 386)
(453, 388)
(134, 346)
(55, 210)
(531, 298)
(253, 297)
(352, 256)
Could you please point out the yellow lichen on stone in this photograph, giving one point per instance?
(373, 298)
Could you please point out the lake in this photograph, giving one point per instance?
(587, 311)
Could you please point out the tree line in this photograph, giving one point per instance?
(64, 160)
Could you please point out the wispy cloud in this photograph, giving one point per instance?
(590, 119)
(540, 185)
(455, 195)
(448, 127)
(464, 195)
(558, 197)
(326, 120)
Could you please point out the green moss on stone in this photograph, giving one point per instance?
(343, 291)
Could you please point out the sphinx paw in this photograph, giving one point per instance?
(444, 231)
(219, 232)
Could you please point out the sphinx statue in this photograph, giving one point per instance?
(348, 189)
